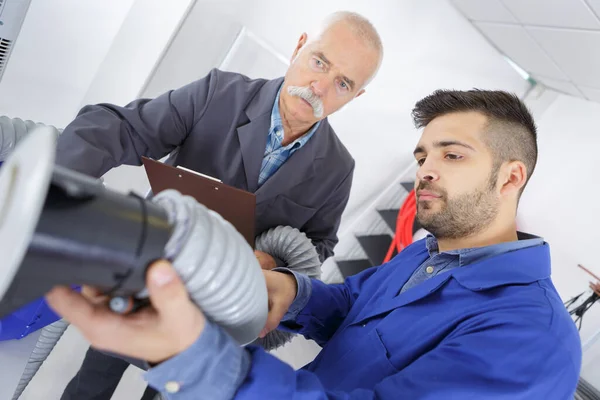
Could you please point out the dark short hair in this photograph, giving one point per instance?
(511, 133)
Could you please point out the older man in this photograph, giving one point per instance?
(268, 137)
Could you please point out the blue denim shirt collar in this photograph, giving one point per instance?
(471, 255)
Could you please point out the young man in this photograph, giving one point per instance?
(469, 312)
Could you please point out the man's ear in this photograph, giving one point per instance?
(299, 46)
(514, 177)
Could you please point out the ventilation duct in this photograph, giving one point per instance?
(12, 14)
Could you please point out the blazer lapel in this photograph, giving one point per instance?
(253, 135)
(253, 141)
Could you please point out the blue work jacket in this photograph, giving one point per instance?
(495, 329)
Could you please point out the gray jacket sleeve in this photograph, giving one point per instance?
(323, 226)
(105, 136)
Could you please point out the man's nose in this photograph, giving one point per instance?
(427, 173)
(319, 87)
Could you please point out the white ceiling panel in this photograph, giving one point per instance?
(591, 93)
(489, 10)
(577, 53)
(595, 4)
(556, 41)
(560, 86)
(516, 43)
(553, 13)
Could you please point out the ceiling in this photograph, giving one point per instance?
(557, 42)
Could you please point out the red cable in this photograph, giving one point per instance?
(397, 240)
(404, 226)
(409, 219)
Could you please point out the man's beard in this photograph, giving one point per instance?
(461, 216)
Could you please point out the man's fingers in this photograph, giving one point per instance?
(86, 316)
(94, 295)
(167, 292)
(69, 304)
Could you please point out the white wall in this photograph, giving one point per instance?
(561, 203)
(56, 56)
(140, 42)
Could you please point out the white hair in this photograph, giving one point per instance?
(359, 25)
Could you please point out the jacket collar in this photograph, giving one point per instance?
(262, 102)
(522, 266)
(509, 263)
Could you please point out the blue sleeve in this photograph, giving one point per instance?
(303, 292)
(215, 366)
(489, 360)
(319, 317)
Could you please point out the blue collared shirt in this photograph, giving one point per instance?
(215, 366)
(443, 262)
(275, 154)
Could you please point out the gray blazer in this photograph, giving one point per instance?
(220, 125)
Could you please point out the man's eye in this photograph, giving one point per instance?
(453, 157)
(421, 161)
(318, 62)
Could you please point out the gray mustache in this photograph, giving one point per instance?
(308, 95)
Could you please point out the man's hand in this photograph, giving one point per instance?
(265, 260)
(154, 334)
(282, 290)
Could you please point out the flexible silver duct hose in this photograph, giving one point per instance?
(49, 336)
(219, 269)
(205, 256)
(293, 247)
(12, 130)
(299, 254)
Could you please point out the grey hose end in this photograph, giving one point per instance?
(293, 247)
(299, 254)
